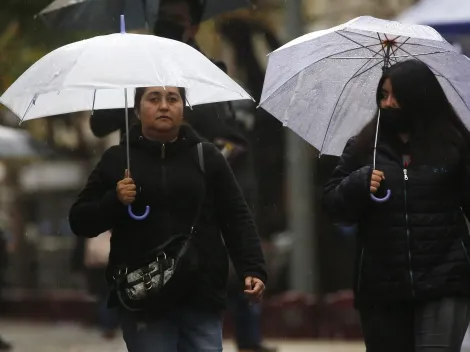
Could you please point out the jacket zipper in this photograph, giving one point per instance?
(405, 179)
(359, 275)
(163, 156)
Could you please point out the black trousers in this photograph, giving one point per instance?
(433, 326)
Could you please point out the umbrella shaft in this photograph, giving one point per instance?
(127, 132)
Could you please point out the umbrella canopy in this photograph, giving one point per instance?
(322, 85)
(103, 15)
(92, 74)
(448, 17)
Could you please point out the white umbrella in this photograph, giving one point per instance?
(67, 79)
(322, 85)
(101, 72)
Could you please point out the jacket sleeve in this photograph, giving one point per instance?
(97, 206)
(234, 217)
(347, 194)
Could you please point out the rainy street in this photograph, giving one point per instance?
(237, 175)
(29, 337)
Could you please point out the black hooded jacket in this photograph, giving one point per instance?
(169, 180)
(416, 245)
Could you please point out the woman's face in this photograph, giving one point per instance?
(388, 99)
(161, 109)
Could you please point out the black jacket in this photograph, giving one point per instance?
(415, 246)
(169, 180)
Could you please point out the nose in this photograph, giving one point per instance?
(388, 102)
(164, 104)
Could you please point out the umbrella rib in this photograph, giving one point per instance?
(94, 100)
(381, 46)
(338, 100)
(362, 46)
(423, 45)
(31, 103)
(360, 34)
(440, 74)
(396, 48)
(159, 75)
(352, 49)
(313, 63)
(368, 69)
(393, 56)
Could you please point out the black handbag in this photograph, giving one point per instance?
(166, 269)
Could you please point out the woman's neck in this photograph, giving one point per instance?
(162, 137)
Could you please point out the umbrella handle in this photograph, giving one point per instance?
(381, 200)
(138, 217)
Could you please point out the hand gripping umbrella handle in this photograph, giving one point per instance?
(381, 200)
(138, 217)
(389, 193)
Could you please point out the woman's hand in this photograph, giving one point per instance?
(375, 180)
(254, 288)
(126, 190)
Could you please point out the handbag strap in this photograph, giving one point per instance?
(202, 168)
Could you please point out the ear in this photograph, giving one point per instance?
(137, 114)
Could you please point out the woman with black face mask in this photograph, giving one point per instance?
(412, 286)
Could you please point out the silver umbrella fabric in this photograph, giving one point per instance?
(104, 15)
(322, 85)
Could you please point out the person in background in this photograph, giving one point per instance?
(179, 20)
(412, 273)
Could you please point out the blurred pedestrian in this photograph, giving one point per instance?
(412, 284)
(169, 271)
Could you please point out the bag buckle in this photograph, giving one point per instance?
(147, 278)
(160, 256)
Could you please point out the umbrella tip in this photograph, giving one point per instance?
(123, 24)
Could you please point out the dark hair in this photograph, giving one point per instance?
(139, 93)
(435, 124)
(196, 8)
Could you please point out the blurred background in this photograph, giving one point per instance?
(45, 162)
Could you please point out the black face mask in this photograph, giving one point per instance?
(395, 121)
(168, 29)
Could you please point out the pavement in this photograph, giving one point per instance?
(66, 337)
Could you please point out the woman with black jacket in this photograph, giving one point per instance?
(167, 176)
(412, 272)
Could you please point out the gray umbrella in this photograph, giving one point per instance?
(103, 15)
(322, 85)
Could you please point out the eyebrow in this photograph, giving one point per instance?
(159, 94)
